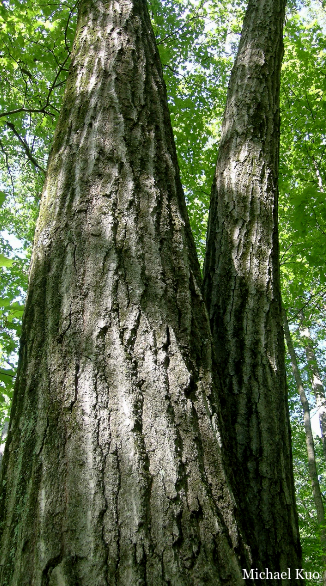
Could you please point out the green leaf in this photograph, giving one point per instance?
(5, 261)
(2, 198)
(7, 376)
(4, 301)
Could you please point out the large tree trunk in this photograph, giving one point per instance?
(112, 472)
(242, 290)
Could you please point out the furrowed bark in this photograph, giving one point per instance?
(242, 291)
(112, 472)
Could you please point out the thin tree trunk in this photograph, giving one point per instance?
(242, 291)
(3, 436)
(316, 382)
(309, 441)
(112, 472)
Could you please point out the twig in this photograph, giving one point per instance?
(25, 147)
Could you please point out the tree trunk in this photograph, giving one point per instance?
(312, 466)
(3, 436)
(316, 382)
(242, 290)
(112, 472)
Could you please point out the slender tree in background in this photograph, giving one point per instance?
(302, 231)
(242, 290)
(315, 378)
(112, 469)
(318, 499)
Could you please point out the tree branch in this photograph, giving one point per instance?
(8, 166)
(27, 110)
(25, 147)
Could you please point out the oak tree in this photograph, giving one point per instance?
(112, 469)
(242, 291)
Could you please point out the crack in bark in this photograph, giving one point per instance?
(44, 436)
(62, 335)
(117, 563)
(50, 566)
(76, 376)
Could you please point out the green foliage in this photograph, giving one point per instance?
(302, 164)
(197, 42)
(13, 287)
(303, 233)
(309, 530)
(35, 40)
(5, 261)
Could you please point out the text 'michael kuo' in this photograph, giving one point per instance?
(266, 574)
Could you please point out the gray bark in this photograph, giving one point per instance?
(112, 471)
(312, 466)
(242, 291)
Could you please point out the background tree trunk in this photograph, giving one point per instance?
(112, 472)
(3, 435)
(242, 290)
(312, 465)
(315, 377)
